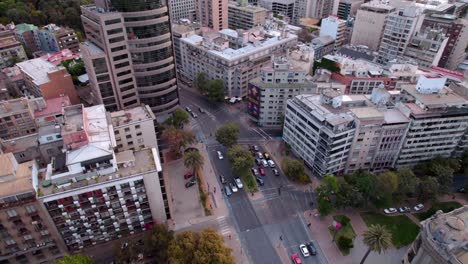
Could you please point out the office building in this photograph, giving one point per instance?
(369, 24)
(268, 93)
(348, 8)
(53, 38)
(27, 35)
(134, 128)
(426, 48)
(11, 50)
(213, 13)
(17, 117)
(441, 239)
(44, 79)
(400, 26)
(27, 234)
(245, 17)
(439, 119)
(134, 66)
(93, 194)
(232, 56)
(281, 8)
(182, 9)
(335, 27)
(322, 46)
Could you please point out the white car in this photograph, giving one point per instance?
(233, 187)
(271, 163)
(238, 183)
(264, 163)
(259, 155)
(220, 155)
(304, 250)
(419, 207)
(390, 211)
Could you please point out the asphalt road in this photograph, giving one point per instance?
(259, 223)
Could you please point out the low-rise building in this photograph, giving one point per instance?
(53, 38)
(322, 46)
(17, 117)
(27, 234)
(58, 57)
(11, 50)
(245, 16)
(27, 35)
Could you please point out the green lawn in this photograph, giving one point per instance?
(346, 230)
(403, 230)
(444, 206)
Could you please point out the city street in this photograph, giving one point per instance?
(270, 224)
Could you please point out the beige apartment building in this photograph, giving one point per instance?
(17, 117)
(245, 16)
(10, 48)
(213, 13)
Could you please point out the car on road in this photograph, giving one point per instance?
(258, 162)
(260, 181)
(419, 207)
(262, 171)
(220, 155)
(259, 155)
(201, 110)
(188, 109)
(312, 249)
(304, 250)
(238, 183)
(255, 147)
(193, 114)
(271, 164)
(254, 171)
(233, 187)
(188, 175)
(264, 163)
(296, 259)
(461, 190)
(266, 155)
(222, 179)
(227, 189)
(404, 209)
(390, 210)
(190, 183)
(275, 172)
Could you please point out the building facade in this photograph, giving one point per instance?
(53, 38)
(17, 118)
(284, 8)
(322, 46)
(245, 17)
(27, 35)
(335, 27)
(348, 8)
(426, 48)
(11, 50)
(129, 57)
(369, 24)
(213, 13)
(183, 9)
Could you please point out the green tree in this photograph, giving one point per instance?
(199, 248)
(365, 182)
(378, 239)
(407, 183)
(325, 194)
(200, 82)
(75, 259)
(348, 196)
(215, 90)
(428, 189)
(157, 241)
(228, 134)
(294, 170)
(193, 160)
(345, 243)
(126, 252)
(178, 139)
(242, 161)
(178, 118)
(444, 175)
(325, 206)
(386, 185)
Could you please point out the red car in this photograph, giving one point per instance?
(262, 171)
(188, 175)
(296, 258)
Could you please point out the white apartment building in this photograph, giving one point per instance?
(335, 27)
(233, 56)
(320, 130)
(134, 128)
(182, 9)
(369, 24)
(268, 93)
(400, 26)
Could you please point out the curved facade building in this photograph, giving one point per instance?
(129, 42)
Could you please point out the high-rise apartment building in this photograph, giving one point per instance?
(335, 27)
(129, 56)
(348, 8)
(245, 17)
(183, 9)
(426, 47)
(315, 9)
(213, 13)
(369, 24)
(400, 26)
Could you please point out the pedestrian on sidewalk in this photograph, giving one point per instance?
(229, 236)
(309, 224)
(214, 189)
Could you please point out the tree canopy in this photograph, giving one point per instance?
(378, 239)
(193, 160)
(213, 89)
(228, 134)
(157, 241)
(75, 259)
(178, 118)
(178, 139)
(294, 170)
(242, 161)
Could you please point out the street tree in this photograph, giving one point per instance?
(294, 170)
(75, 259)
(326, 193)
(386, 185)
(193, 160)
(378, 239)
(200, 81)
(348, 196)
(178, 118)
(428, 189)
(242, 161)
(364, 181)
(206, 246)
(444, 175)
(215, 90)
(178, 139)
(228, 134)
(126, 252)
(407, 183)
(156, 242)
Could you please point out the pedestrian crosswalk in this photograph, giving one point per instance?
(223, 226)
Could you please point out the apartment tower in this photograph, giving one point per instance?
(213, 13)
(128, 56)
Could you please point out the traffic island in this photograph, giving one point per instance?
(203, 193)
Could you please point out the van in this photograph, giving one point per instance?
(264, 163)
(271, 164)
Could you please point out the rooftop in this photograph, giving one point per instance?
(445, 98)
(21, 179)
(10, 107)
(258, 82)
(130, 115)
(334, 116)
(53, 106)
(323, 40)
(20, 144)
(247, 8)
(355, 54)
(38, 69)
(393, 116)
(57, 57)
(21, 28)
(93, 49)
(368, 112)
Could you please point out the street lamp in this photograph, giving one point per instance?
(337, 226)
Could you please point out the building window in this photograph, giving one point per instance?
(30, 208)
(139, 134)
(140, 140)
(127, 129)
(12, 213)
(137, 127)
(10, 242)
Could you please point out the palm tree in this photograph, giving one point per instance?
(193, 160)
(378, 239)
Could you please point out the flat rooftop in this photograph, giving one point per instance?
(53, 106)
(38, 69)
(393, 116)
(247, 8)
(445, 98)
(57, 57)
(10, 107)
(139, 113)
(21, 182)
(20, 144)
(367, 113)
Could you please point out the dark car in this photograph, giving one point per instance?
(258, 161)
(404, 209)
(275, 172)
(227, 189)
(255, 147)
(222, 179)
(260, 181)
(462, 190)
(190, 183)
(188, 175)
(311, 247)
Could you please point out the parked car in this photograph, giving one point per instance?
(271, 164)
(390, 210)
(193, 114)
(188, 175)
(262, 171)
(190, 183)
(404, 209)
(222, 179)
(255, 147)
(275, 172)
(220, 155)
(188, 109)
(419, 207)
(238, 183)
(258, 162)
(260, 181)
(295, 257)
(233, 187)
(227, 189)
(201, 110)
(254, 171)
(259, 155)
(264, 163)
(461, 190)
(311, 247)
(304, 250)
(266, 155)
